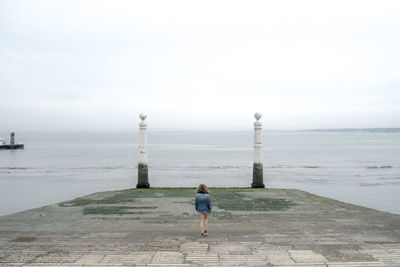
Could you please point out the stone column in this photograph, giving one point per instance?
(257, 165)
(143, 177)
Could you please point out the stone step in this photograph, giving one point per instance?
(301, 265)
(356, 264)
(194, 246)
(168, 257)
(306, 256)
(202, 258)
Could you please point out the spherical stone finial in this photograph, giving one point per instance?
(257, 116)
(142, 116)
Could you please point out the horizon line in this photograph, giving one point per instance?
(376, 129)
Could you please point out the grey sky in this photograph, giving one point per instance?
(95, 65)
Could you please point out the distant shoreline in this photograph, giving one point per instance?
(369, 130)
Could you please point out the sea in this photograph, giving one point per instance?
(361, 167)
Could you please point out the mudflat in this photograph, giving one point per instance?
(159, 226)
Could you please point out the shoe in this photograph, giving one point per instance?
(205, 233)
(202, 235)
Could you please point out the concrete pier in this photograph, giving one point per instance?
(257, 165)
(143, 173)
(160, 227)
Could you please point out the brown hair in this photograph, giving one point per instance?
(203, 189)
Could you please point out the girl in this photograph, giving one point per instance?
(203, 207)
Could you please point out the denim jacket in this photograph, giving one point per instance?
(203, 203)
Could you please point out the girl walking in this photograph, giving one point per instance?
(203, 207)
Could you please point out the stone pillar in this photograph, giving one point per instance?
(12, 139)
(143, 176)
(257, 165)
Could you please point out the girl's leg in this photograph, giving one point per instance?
(205, 221)
(201, 222)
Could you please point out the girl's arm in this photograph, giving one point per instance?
(209, 203)
(196, 202)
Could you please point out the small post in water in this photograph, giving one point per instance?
(257, 165)
(12, 139)
(143, 176)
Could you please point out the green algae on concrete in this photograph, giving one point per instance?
(237, 199)
(223, 198)
(120, 210)
(128, 195)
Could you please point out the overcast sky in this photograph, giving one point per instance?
(95, 65)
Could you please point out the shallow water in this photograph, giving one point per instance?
(356, 167)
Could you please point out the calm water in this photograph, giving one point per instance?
(355, 167)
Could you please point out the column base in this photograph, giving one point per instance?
(257, 176)
(143, 176)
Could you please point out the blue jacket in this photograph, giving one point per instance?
(203, 203)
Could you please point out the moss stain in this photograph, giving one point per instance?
(227, 199)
